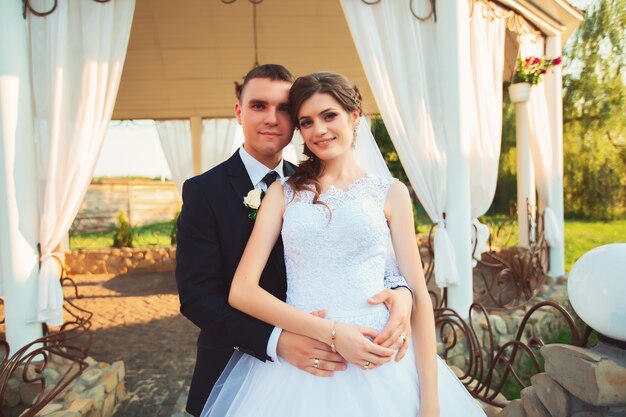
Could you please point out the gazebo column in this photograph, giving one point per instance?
(19, 216)
(554, 94)
(196, 144)
(525, 170)
(453, 45)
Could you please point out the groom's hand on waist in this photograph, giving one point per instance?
(397, 332)
(309, 355)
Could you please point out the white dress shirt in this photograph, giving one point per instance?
(256, 172)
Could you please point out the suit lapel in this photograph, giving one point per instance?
(240, 183)
(238, 177)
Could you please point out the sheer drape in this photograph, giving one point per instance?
(77, 55)
(487, 63)
(541, 145)
(220, 138)
(175, 138)
(399, 57)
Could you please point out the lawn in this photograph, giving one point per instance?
(149, 235)
(581, 236)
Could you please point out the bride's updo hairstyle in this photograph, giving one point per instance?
(345, 93)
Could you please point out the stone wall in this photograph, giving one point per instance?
(120, 261)
(95, 393)
(578, 382)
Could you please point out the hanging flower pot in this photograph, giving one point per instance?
(529, 72)
(519, 92)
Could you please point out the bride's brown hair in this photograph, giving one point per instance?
(345, 93)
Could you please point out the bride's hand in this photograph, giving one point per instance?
(354, 344)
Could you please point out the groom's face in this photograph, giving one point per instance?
(263, 112)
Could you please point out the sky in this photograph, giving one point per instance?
(132, 148)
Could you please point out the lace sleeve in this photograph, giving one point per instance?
(393, 277)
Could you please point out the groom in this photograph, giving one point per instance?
(213, 229)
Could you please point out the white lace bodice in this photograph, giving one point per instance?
(338, 256)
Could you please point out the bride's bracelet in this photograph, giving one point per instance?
(333, 335)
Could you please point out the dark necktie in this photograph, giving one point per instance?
(269, 178)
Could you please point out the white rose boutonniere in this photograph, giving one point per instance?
(253, 201)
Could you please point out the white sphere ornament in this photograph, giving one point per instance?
(597, 289)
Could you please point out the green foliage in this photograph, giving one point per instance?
(594, 137)
(123, 236)
(174, 228)
(594, 117)
(383, 140)
(504, 201)
(582, 236)
(148, 235)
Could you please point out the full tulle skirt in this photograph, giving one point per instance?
(249, 387)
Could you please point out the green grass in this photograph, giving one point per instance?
(149, 235)
(582, 236)
(92, 240)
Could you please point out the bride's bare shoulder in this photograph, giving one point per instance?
(398, 198)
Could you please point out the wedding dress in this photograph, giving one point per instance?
(336, 256)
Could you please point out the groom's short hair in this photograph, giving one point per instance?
(274, 72)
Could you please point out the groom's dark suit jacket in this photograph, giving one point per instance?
(213, 229)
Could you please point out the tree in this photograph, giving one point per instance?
(594, 116)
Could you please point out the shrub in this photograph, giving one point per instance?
(174, 228)
(123, 237)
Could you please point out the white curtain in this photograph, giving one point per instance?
(77, 56)
(293, 151)
(542, 145)
(487, 64)
(399, 56)
(220, 138)
(175, 137)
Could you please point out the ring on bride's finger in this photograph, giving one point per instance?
(403, 337)
(316, 363)
(367, 364)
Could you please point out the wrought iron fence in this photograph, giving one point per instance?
(509, 277)
(489, 365)
(506, 278)
(71, 341)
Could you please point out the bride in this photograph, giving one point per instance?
(336, 222)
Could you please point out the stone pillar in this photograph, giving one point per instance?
(453, 44)
(196, 144)
(19, 214)
(520, 94)
(554, 94)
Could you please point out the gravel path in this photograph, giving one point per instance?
(136, 319)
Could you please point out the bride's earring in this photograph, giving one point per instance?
(354, 135)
